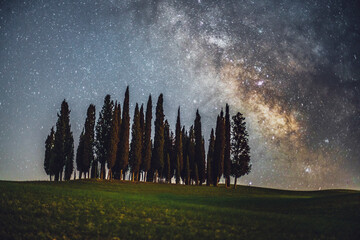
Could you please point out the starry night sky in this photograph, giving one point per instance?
(292, 68)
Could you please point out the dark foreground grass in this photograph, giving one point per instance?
(118, 210)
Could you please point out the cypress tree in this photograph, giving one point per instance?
(88, 151)
(135, 150)
(158, 153)
(94, 143)
(186, 167)
(147, 139)
(69, 155)
(123, 148)
(114, 140)
(167, 150)
(179, 144)
(116, 168)
(203, 161)
(80, 155)
(63, 144)
(240, 149)
(218, 159)
(227, 161)
(103, 134)
(142, 133)
(191, 153)
(49, 152)
(199, 153)
(210, 155)
(172, 155)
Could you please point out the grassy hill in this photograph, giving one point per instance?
(92, 209)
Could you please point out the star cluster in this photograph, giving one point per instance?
(292, 68)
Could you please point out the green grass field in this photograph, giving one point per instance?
(85, 209)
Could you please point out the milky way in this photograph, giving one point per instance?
(292, 68)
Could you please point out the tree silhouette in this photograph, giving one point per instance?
(218, 159)
(80, 155)
(158, 153)
(114, 140)
(49, 152)
(123, 148)
(210, 155)
(179, 145)
(146, 164)
(240, 149)
(168, 148)
(116, 170)
(103, 134)
(88, 151)
(191, 153)
(185, 174)
(135, 149)
(227, 161)
(63, 145)
(142, 133)
(199, 153)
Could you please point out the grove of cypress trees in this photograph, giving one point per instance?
(240, 149)
(123, 148)
(49, 152)
(199, 154)
(210, 155)
(218, 159)
(63, 144)
(227, 161)
(114, 141)
(136, 147)
(179, 144)
(146, 164)
(158, 153)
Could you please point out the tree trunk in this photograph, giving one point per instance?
(133, 177)
(216, 183)
(228, 181)
(56, 177)
(102, 171)
(156, 176)
(121, 174)
(145, 176)
(235, 182)
(109, 174)
(60, 179)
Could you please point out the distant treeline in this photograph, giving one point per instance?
(105, 151)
